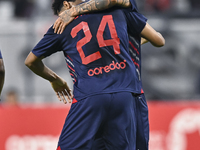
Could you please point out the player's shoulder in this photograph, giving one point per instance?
(50, 34)
(50, 30)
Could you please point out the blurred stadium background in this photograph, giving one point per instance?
(171, 76)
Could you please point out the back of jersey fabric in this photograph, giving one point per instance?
(101, 56)
(97, 54)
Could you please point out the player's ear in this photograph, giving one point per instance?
(66, 4)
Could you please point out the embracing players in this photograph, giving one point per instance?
(106, 83)
(139, 34)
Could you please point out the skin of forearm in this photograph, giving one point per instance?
(160, 41)
(154, 37)
(41, 70)
(97, 5)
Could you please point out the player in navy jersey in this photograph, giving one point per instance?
(96, 52)
(2, 73)
(102, 64)
(141, 28)
(135, 52)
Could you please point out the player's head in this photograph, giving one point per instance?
(59, 5)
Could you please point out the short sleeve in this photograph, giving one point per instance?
(135, 22)
(0, 55)
(48, 45)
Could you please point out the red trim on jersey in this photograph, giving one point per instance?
(72, 74)
(133, 47)
(77, 17)
(70, 68)
(135, 62)
(58, 148)
(74, 101)
(69, 58)
(142, 92)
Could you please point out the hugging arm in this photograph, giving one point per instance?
(154, 37)
(93, 5)
(98, 5)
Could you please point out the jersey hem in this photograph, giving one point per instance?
(78, 98)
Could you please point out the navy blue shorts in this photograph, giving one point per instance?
(110, 117)
(142, 132)
(142, 138)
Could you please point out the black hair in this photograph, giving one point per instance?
(57, 5)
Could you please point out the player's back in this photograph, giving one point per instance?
(96, 51)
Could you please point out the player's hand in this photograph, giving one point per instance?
(64, 19)
(143, 41)
(62, 90)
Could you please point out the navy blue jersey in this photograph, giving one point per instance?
(136, 26)
(0, 55)
(96, 50)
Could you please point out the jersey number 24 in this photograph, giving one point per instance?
(115, 41)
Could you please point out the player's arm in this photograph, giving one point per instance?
(59, 85)
(97, 5)
(151, 35)
(92, 5)
(2, 75)
(137, 25)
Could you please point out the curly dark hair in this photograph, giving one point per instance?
(57, 5)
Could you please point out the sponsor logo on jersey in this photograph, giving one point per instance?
(108, 68)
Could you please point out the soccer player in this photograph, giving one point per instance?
(140, 29)
(135, 41)
(2, 73)
(105, 79)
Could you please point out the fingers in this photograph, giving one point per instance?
(64, 96)
(56, 25)
(69, 93)
(58, 96)
(60, 25)
(69, 96)
(60, 28)
(61, 97)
